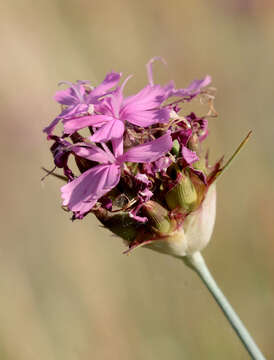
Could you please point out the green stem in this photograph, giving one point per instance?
(197, 263)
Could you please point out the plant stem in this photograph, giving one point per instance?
(197, 263)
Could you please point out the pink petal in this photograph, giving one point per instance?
(77, 89)
(73, 95)
(194, 88)
(196, 85)
(148, 152)
(189, 156)
(116, 99)
(73, 110)
(104, 107)
(66, 97)
(77, 123)
(82, 193)
(118, 146)
(94, 153)
(147, 98)
(108, 83)
(113, 129)
(48, 130)
(143, 109)
(147, 118)
(149, 68)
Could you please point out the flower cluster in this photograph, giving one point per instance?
(140, 166)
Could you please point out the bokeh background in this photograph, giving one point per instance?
(66, 290)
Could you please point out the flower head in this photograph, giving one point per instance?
(142, 171)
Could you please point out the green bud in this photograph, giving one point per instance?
(194, 143)
(175, 147)
(183, 195)
(158, 217)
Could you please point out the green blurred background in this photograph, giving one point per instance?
(66, 290)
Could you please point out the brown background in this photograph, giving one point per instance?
(66, 290)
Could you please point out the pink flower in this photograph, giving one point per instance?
(81, 194)
(142, 109)
(139, 170)
(77, 101)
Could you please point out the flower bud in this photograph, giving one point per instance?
(195, 232)
(157, 217)
(175, 147)
(194, 143)
(183, 195)
(120, 223)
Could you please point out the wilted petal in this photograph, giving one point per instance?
(148, 152)
(197, 85)
(184, 136)
(194, 88)
(143, 179)
(81, 194)
(145, 194)
(162, 163)
(189, 156)
(199, 122)
(140, 219)
(200, 175)
(60, 151)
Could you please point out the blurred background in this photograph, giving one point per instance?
(66, 290)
